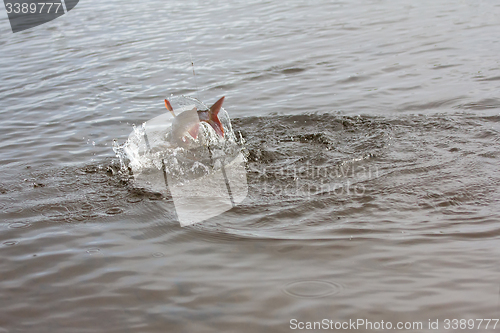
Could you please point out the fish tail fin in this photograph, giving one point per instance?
(214, 116)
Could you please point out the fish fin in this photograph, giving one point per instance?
(169, 107)
(214, 109)
(193, 131)
(214, 116)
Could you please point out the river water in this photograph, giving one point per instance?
(372, 139)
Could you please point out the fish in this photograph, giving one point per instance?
(202, 169)
(186, 125)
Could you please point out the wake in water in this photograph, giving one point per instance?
(311, 176)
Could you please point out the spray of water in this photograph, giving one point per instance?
(149, 148)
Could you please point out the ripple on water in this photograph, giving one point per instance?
(13, 210)
(89, 215)
(87, 207)
(100, 179)
(114, 211)
(312, 289)
(69, 186)
(19, 225)
(134, 199)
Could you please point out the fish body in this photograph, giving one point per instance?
(185, 128)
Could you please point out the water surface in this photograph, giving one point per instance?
(372, 138)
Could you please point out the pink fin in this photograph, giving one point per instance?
(193, 131)
(214, 109)
(214, 118)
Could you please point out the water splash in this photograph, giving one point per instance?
(149, 149)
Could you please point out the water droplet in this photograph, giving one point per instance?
(312, 289)
(94, 250)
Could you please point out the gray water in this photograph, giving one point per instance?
(371, 129)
